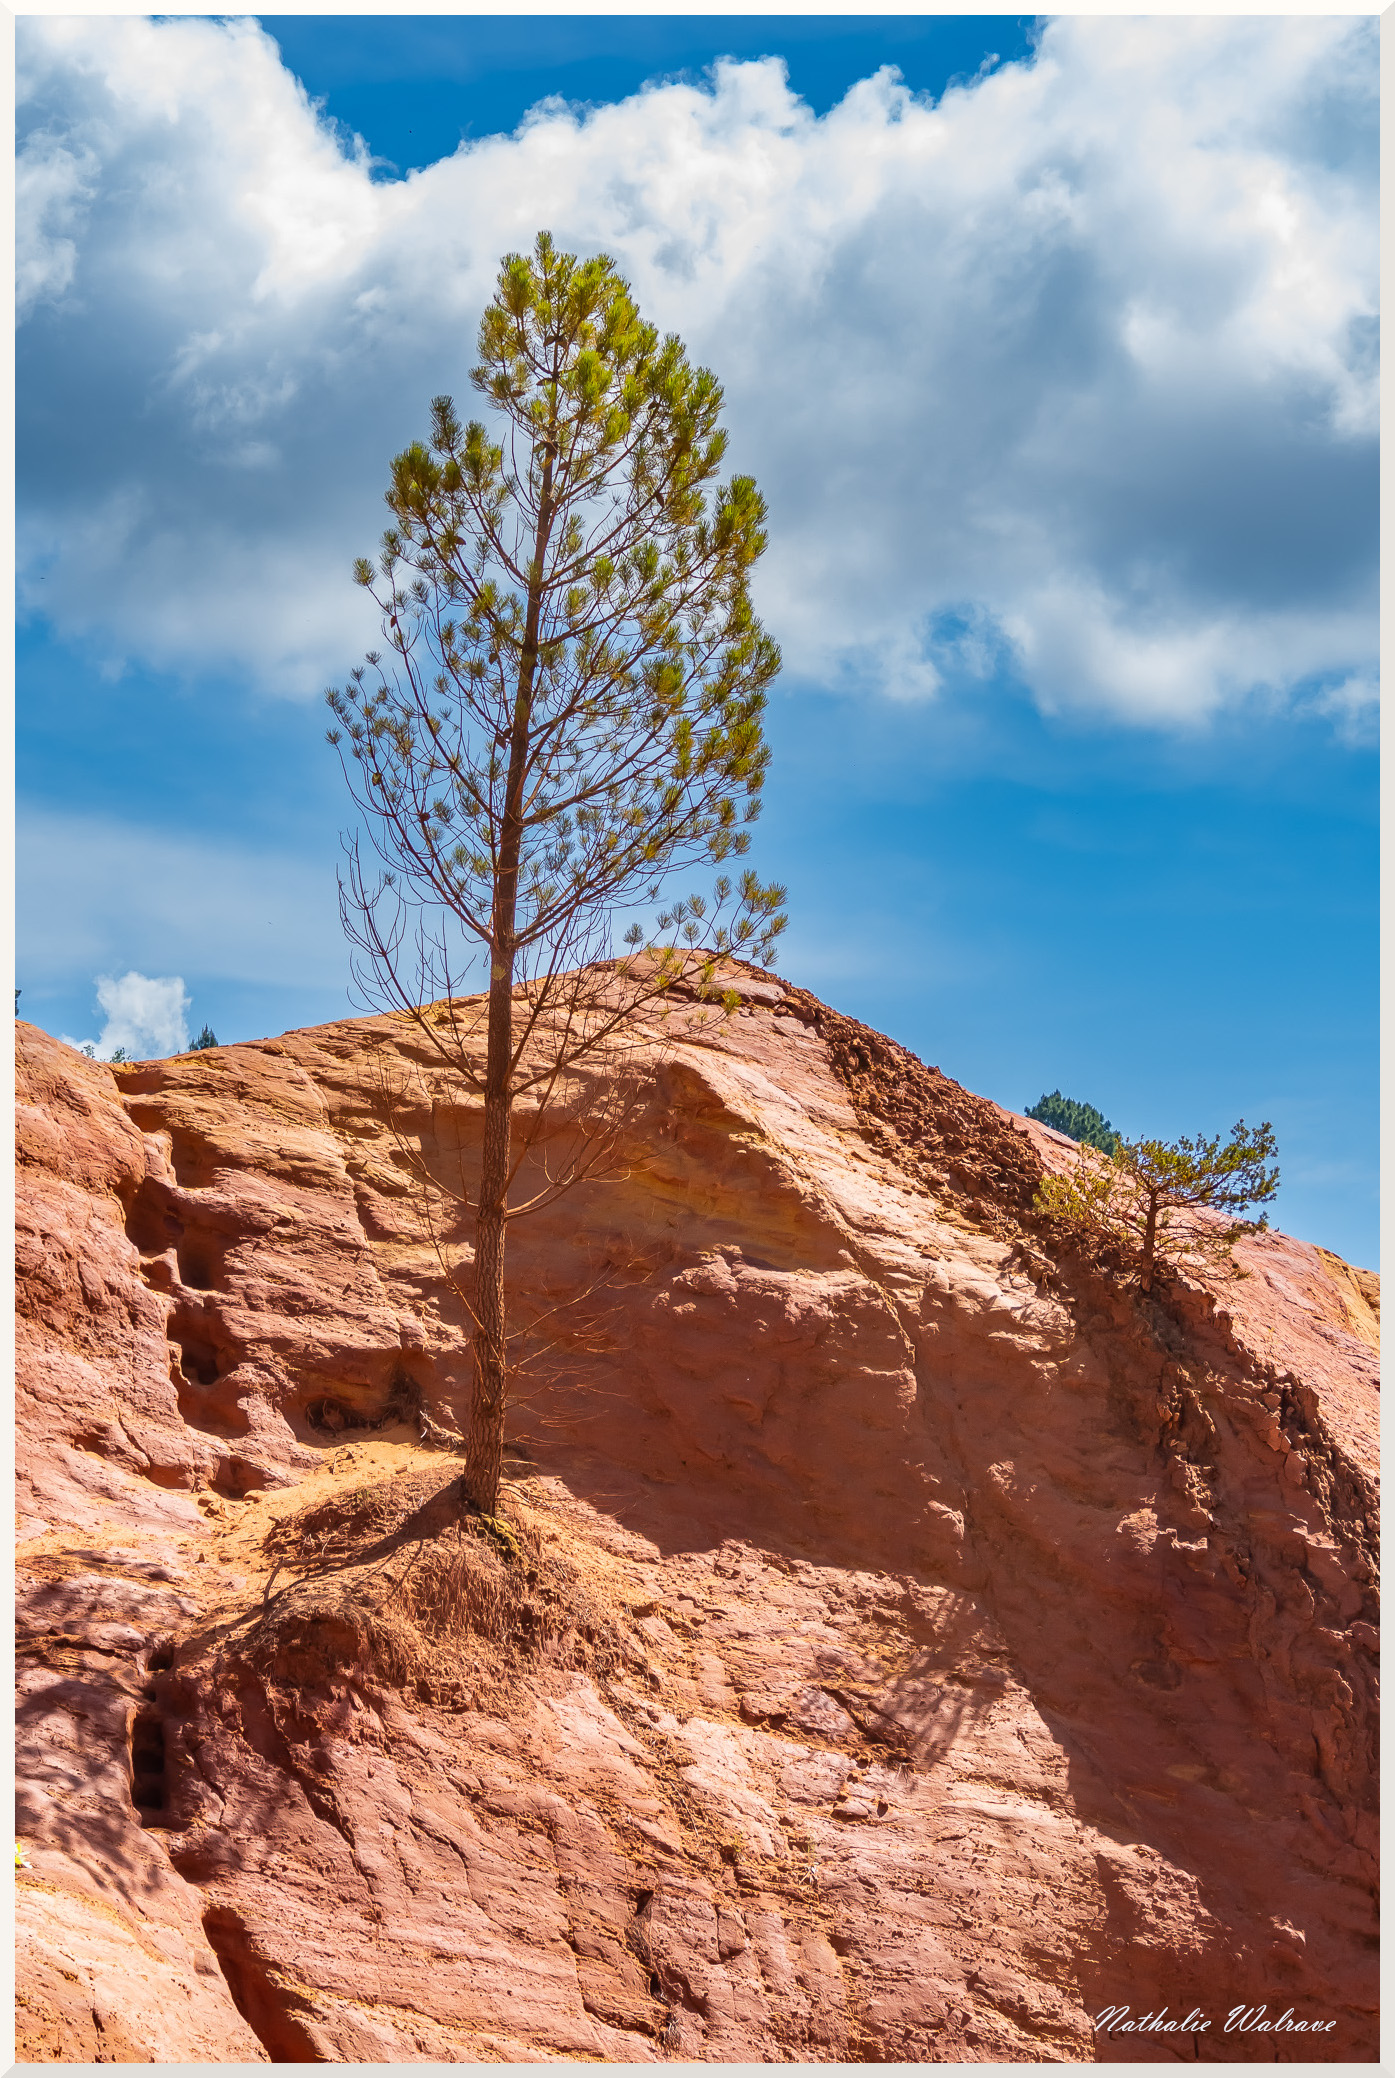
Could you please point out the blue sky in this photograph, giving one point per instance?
(1054, 359)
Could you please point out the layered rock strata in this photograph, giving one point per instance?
(905, 1641)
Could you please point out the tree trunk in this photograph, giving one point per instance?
(484, 1448)
(1150, 1237)
(485, 1444)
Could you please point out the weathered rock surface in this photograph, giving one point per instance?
(913, 1640)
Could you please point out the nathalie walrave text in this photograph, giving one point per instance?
(1241, 2020)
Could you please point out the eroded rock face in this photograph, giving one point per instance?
(952, 1643)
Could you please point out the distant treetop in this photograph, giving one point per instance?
(206, 1038)
(1078, 1121)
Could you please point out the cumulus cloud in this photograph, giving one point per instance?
(145, 1017)
(52, 188)
(1071, 374)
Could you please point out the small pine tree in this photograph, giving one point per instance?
(1077, 1121)
(207, 1037)
(1137, 1195)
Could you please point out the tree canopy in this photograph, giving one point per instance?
(1077, 1121)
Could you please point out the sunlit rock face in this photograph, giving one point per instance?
(901, 1642)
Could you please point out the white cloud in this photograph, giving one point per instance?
(1352, 706)
(52, 187)
(145, 1018)
(1082, 356)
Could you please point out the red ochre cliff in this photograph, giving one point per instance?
(900, 1641)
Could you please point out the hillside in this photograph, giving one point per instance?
(901, 1641)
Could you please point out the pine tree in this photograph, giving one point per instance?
(569, 712)
(1077, 1121)
(207, 1037)
(1142, 1195)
